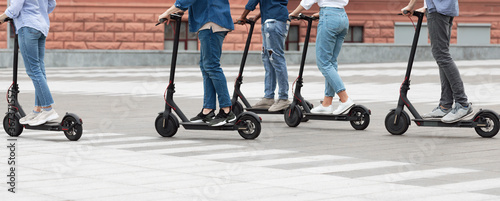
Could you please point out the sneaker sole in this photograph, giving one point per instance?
(224, 122)
(345, 110)
(461, 118)
(279, 109)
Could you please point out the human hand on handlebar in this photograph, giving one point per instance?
(315, 15)
(3, 18)
(408, 10)
(241, 21)
(421, 10)
(166, 14)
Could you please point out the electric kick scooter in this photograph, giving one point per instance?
(358, 115)
(247, 123)
(237, 107)
(71, 124)
(485, 122)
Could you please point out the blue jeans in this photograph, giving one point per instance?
(214, 81)
(274, 34)
(32, 46)
(332, 28)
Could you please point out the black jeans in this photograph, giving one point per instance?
(452, 87)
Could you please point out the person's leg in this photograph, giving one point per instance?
(270, 74)
(29, 41)
(452, 85)
(331, 34)
(209, 94)
(276, 32)
(440, 32)
(211, 65)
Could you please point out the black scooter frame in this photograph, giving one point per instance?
(358, 115)
(71, 124)
(247, 123)
(397, 121)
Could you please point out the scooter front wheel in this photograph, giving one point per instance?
(252, 125)
(293, 116)
(166, 127)
(72, 129)
(11, 125)
(492, 124)
(399, 126)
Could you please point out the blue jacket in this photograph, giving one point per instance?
(203, 11)
(270, 9)
(445, 7)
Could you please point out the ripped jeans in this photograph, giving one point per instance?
(274, 34)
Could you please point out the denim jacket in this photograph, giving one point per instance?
(270, 9)
(31, 13)
(203, 11)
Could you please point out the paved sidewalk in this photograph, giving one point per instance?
(121, 157)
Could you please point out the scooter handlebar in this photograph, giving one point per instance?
(415, 13)
(174, 16)
(249, 21)
(303, 17)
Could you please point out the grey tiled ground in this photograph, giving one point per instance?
(121, 157)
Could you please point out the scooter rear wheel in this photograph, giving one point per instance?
(492, 125)
(402, 123)
(75, 129)
(166, 128)
(12, 126)
(253, 127)
(293, 116)
(364, 118)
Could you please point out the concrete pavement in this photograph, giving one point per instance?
(121, 157)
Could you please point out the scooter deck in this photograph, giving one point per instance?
(264, 111)
(331, 117)
(439, 123)
(51, 126)
(205, 126)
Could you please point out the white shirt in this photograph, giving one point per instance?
(324, 3)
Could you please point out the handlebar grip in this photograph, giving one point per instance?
(161, 21)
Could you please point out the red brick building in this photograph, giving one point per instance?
(128, 24)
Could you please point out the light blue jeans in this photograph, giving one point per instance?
(274, 34)
(32, 46)
(214, 81)
(332, 28)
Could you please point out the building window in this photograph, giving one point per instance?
(187, 40)
(292, 40)
(355, 35)
(473, 34)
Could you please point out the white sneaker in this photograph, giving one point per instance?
(437, 112)
(343, 107)
(458, 113)
(44, 117)
(320, 109)
(28, 117)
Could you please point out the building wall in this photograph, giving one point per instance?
(126, 24)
